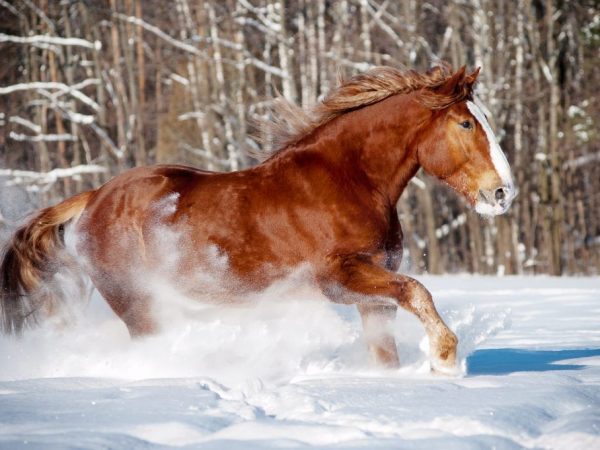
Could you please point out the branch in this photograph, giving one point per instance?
(581, 160)
(191, 115)
(11, 8)
(42, 137)
(418, 182)
(61, 87)
(26, 123)
(248, 57)
(50, 40)
(206, 155)
(26, 176)
(84, 119)
(361, 66)
(376, 15)
(61, 107)
(116, 151)
(160, 33)
(259, 12)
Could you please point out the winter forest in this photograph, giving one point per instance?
(91, 88)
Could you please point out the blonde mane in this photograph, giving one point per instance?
(289, 122)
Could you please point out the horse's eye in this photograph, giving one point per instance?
(467, 125)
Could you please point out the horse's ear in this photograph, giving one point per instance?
(471, 79)
(454, 83)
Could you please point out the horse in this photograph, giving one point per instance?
(325, 199)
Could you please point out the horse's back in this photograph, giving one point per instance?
(167, 218)
(119, 213)
(262, 221)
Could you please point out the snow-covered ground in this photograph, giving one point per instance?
(293, 373)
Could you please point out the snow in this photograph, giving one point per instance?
(292, 372)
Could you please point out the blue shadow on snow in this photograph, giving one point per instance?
(502, 361)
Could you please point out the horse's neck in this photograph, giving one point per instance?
(375, 142)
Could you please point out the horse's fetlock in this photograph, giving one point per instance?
(444, 348)
(451, 339)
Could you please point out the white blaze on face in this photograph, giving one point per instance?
(498, 159)
(496, 153)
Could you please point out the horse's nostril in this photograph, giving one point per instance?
(500, 194)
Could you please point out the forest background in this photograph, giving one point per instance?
(91, 88)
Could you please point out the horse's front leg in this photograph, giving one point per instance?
(359, 274)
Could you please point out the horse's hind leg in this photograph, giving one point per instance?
(132, 306)
(377, 321)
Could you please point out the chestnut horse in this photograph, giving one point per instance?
(325, 200)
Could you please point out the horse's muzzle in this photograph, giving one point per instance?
(495, 201)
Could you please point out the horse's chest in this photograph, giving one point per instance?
(365, 226)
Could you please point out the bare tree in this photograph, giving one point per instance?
(89, 89)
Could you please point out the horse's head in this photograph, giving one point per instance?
(459, 148)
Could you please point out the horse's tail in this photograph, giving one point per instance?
(30, 261)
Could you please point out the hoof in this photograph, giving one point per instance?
(445, 369)
(443, 356)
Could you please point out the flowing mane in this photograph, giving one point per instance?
(289, 122)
